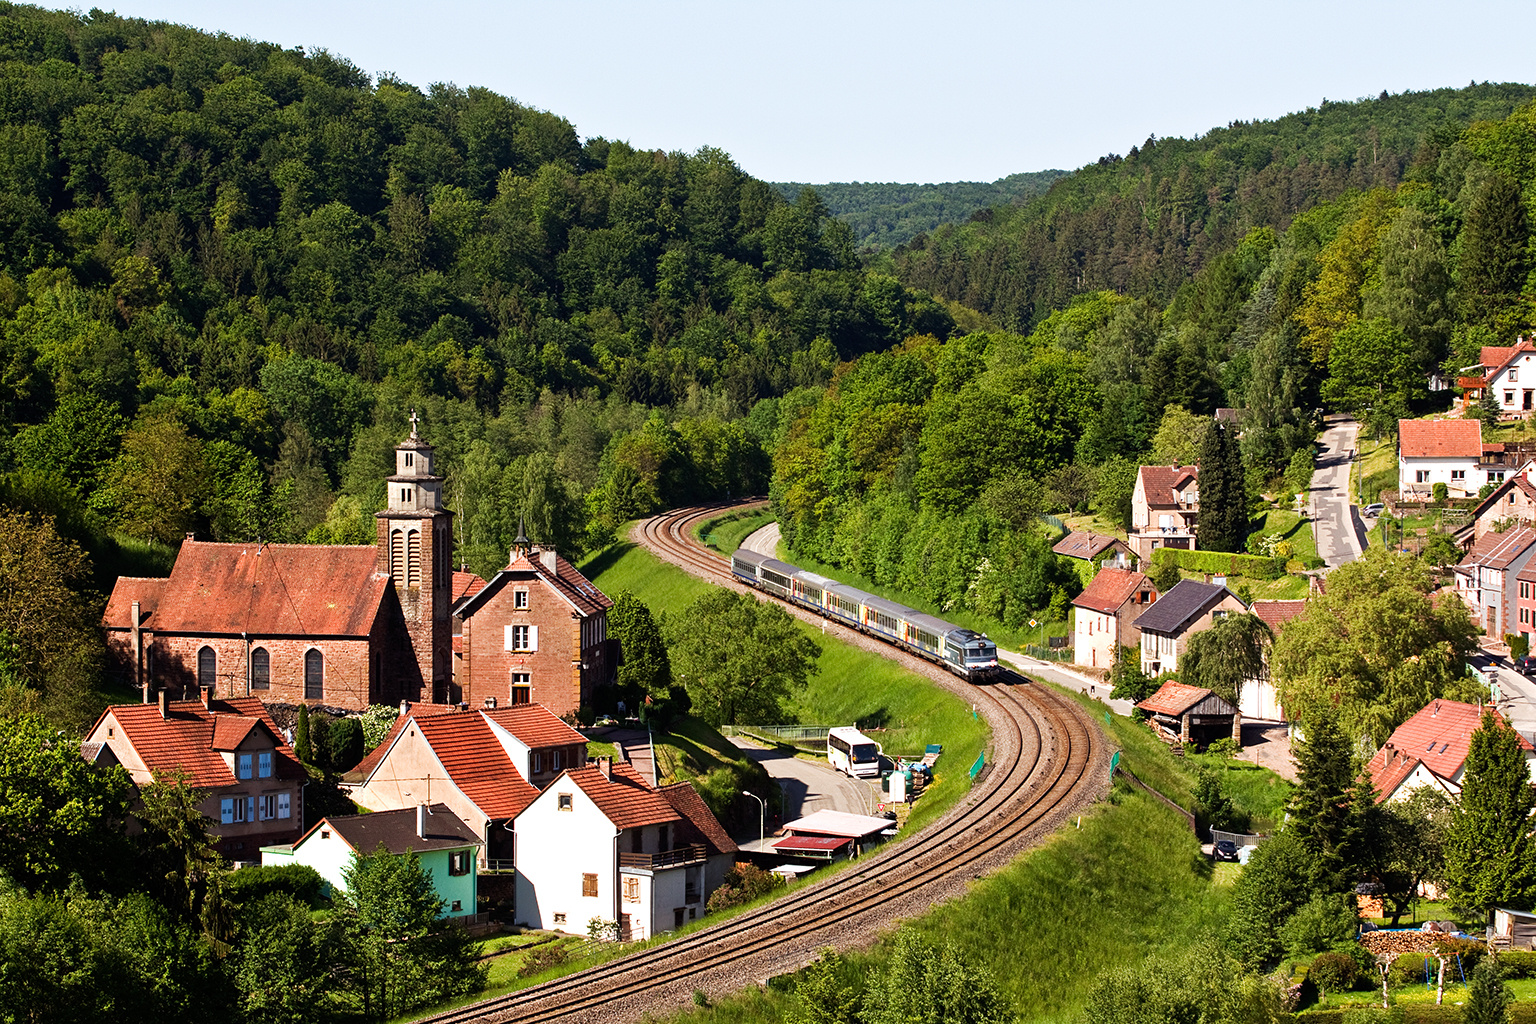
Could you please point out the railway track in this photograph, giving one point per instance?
(1051, 761)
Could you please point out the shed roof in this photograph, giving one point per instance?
(839, 823)
(396, 831)
(1440, 439)
(1180, 606)
(1110, 589)
(810, 844)
(1175, 698)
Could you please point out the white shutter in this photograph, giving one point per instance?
(227, 810)
(533, 638)
(508, 637)
(282, 805)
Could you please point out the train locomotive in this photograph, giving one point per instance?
(966, 653)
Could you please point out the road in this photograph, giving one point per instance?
(807, 786)
(764, 541)
(1334, 521)
(1517, 694)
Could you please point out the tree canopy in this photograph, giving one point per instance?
(740, 658)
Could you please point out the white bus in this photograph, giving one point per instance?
(853, 753)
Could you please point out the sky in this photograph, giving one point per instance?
(855, 90)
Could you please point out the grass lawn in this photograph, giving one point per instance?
(1094, 524)
(1291, 528)
(725, 534)
(1377, 470)
(901, 710)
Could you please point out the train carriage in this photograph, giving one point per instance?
(810, 589)
(845, 603)
(774, 576)
(926, 633)
(745, 565)
(885, 618)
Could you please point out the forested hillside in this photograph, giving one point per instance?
(924, 468)
(884, 214)
(1142, 223)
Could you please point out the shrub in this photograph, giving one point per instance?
(1408, 968)
(1334, 972)
(1224, 747)
(300, 881)
(1321, 923)
(1518, 963)
(1468, 951)
(1519, 646)
(743, 884)
(346, 743)
(1441, 492)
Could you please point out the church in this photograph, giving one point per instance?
(339, 626)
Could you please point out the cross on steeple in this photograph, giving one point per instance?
(413, 425)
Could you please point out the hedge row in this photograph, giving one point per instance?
(1220, 563)
(1415, 1013)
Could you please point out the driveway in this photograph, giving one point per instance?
(1335, 523)
(807, 786)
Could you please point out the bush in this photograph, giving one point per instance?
(1469, 951)
(1321, 923)
(1334, 972)
(743, 884)
(1441, 492)
(300, 881)
(1224, 747)
(346, 744)
(1518, 963)
(1519, 646)
(1408, 969)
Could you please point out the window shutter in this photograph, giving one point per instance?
(533, 638)
(282, 805)
(508, 637)
(265, 765)
(250, 808)
(227, 810)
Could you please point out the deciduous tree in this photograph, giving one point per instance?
(1227, 655)
(739, 658)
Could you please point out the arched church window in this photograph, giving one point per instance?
(207, 666)
(314, 674)
(261, 669)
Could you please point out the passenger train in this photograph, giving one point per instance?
(966, 653)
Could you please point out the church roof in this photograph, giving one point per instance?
(263, 589)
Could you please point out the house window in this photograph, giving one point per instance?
(235, 810)
(554, 760)
(522, 688)
(631, 890)
(283, 805)
(1458, 474)
(458, 862)
(524, 638)
(537, 765)
(264, 765)
(520, 599)
(589, 885)
(314, 674)
(207, 666)
(261, 669)
(268, 806)
(1495, 476)
(325, 833)
(1509, 398)
(458, 906)
(243, 765)
(559, 919)
(1421, 476)
(565, 801)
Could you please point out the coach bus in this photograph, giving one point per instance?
(853, 753)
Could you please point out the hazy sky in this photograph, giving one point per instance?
(840, 90)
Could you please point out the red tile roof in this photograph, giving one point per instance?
(1440, 439)
(1276, 614)
(535, 725)
(1173, 698)
(1085, 544)
(476, 762)
(1498, 550)
(699, 823)
(271, 589)
(1438, 736)
(229, 731)
(1110, 589)
(564, 579)
(129, 589)
(625, 799)
(466, 584)
(1160, 482)
(186, 738)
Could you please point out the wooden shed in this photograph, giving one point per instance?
(1192, 714)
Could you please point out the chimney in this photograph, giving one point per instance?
(206, 693)
(405, 707)
(191, 535)
(547, 556)
(605, 765)
(421, 821)
(165, 703)
(490, 702)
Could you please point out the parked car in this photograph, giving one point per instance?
(1526, 664)
(1372, 511)
(1225, 849)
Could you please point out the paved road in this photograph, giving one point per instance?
(1517, 694)
(1334, 521)
(765, 541)
(807, 786)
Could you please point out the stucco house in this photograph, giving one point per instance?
(229, 749)
(1512, 501)
(443, 843)
(1487, 579)
(1430, 749)
(1188, 608)
(1165, 508)
(1106, 613)
(1259, 699)
(1509, 374)
(1446, 452)
(600, 843)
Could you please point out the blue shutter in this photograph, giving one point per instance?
(227, 810)
(264, 764)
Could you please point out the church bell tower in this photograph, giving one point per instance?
(416, 550)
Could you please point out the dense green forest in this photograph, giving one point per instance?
(885, 214)
(1142, 223)
(924, 468)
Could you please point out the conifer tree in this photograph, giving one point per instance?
(302, 748)
(1322, 809)
(1488, 998)
(1487, 857)
(1223, 492)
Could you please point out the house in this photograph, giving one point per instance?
(699, 826)
(1446, 452)
(442, 842)
(537, 632)
(229, 749)
(1094, 548)
(487, 765)
(1430, 749)
(465, 584)
(600, 843)
(1513, 500)
(1487, 579)
(1186, 609)
(1106, 615)
(1509, 374)
(1165, 508)
(1259, 701)
(1192, 714)
(343, 626)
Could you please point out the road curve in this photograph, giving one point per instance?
(1051, 763)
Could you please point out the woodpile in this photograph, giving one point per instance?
(1392, 943)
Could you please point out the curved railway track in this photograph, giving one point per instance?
(1051, 761)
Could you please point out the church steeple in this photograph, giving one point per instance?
(413, 488)
(521, 543)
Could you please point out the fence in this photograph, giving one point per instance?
(792, 733)
(1056, 522)
(1052, 653)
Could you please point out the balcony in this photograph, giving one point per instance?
(693, 853)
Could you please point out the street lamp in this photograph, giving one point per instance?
(762, 817)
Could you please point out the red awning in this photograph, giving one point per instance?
(810, 844)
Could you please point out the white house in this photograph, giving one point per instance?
(1105, 616)
(1430, 749)
(1509, 374)
(600, 844)
(1446, 452)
